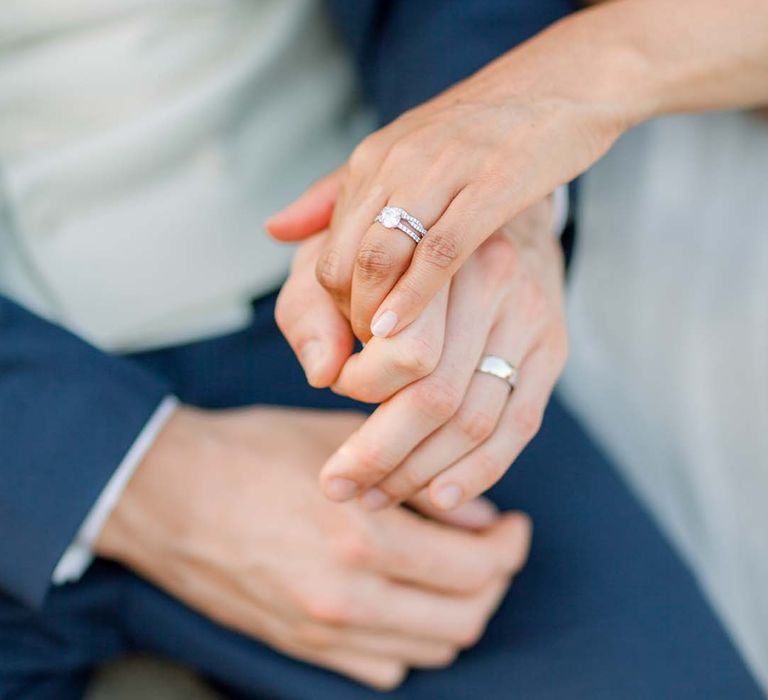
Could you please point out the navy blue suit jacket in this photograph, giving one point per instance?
(68, 412)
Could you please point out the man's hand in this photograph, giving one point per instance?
(224, 513)
(441, 424)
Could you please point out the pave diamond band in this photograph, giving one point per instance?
(395, 217)
(499, 367)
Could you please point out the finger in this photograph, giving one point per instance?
(477, 418)
(473, 423)
(431, 555)
(476, 514)
(522, 417)
(308, 214)
(458, 620)
(473, 215)
(408, 649)
(400, 424)
(385, 252)
(248, 617)
(374, 670)
(363, 194)
(311, 323)
(384, 366)
(352, 216)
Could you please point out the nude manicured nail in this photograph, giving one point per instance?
(374, 499)
(383, 324)
(448, 496)
(339, 489)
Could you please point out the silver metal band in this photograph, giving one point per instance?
(408, 231)
(395, 217)
(499, 367)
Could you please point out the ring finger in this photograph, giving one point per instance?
(486, 464)
(398, 425)
(474, 422)
(386, 249)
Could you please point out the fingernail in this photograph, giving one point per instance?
(312, 353)
(383, 324)
(448, 496)
(477, 514)
(339, 489)
(374, 499)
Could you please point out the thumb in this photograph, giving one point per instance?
(308, 214)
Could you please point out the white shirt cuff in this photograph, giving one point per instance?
(79, 555)
(560, 206)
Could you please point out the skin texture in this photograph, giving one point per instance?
(441, 426)
(473, 158)
(467, 162)
(224, 513)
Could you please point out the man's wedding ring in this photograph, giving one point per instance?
(395, 217)
(499, 367)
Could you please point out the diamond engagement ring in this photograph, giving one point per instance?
(395, 217)
(499, 367)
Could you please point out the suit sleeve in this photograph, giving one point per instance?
(68, 415)
(410, 50)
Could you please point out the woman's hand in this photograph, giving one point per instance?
(442, 424)
(474, 157)
(464, 163)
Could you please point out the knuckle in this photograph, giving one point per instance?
(482, 575)
(354, 548)
(475, 424)
(472, 633)
(400, 558)
(406, 481)
(324, 604)
(314, 635)
(437, 399)
(374, 261)
(445, 657)
(415, 357)
(440, 249)
(452, 150)
(527, 416)
(374, 463)
(533, 299)
(389, 677)
(500, 258)
(489, 468)
(406, 150)
(329, 272)
(364, 155)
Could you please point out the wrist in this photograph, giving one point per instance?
(141, 520)
(585, 61)
(650, 58)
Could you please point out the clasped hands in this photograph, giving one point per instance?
(441, 426)
(224, 512)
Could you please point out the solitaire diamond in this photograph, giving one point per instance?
(390, 217)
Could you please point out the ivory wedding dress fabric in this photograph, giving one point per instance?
(668, 312)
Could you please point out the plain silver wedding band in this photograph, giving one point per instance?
(499, 367)
(395, 217)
